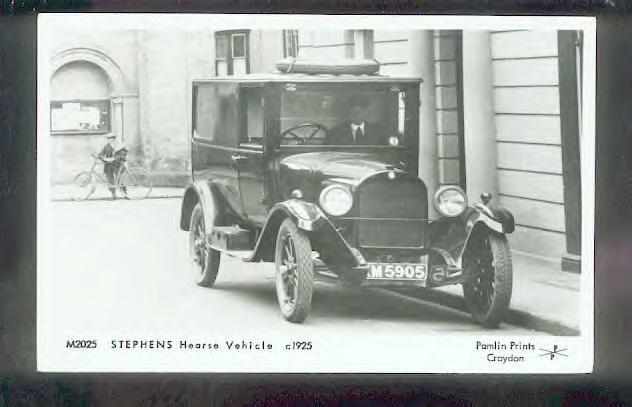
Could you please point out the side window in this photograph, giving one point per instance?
(252, 99)
(215, 114)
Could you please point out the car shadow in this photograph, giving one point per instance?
(352, 303)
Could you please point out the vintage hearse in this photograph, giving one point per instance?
(273, 182)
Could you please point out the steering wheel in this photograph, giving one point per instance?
(289, 134)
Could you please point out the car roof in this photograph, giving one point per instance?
(306, 78)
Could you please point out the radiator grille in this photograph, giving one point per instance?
(391, 213)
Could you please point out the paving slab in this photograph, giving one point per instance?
(543, 297)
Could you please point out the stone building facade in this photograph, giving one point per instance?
(502, 107)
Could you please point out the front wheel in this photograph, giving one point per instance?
(294, 272)
(83, 186)
(489, 275)
(135, 183)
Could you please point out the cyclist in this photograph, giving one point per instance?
(112, 158)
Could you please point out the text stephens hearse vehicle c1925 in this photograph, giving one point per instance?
(281, 174)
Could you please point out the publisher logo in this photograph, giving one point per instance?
(552, 353)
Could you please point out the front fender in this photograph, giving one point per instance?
(486, 219)
(452, 235)
(310, 218)
(496, 218)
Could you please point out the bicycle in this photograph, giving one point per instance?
(134, 182)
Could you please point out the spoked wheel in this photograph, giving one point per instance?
(135, 183)
(489, 276)
(205, 260)
(294, 272)
(84, 186)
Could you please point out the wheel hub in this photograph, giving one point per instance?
(483, 278)
(199, 245)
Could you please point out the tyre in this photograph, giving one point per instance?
(84, 186)
(135, 183)
(294, 272)
(489, 275)
(204, 260)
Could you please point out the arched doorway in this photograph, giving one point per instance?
(80, 100)
(85, 105)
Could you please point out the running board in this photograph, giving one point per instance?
(231, 238)
(244, 255)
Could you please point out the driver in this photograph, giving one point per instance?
(356, 130)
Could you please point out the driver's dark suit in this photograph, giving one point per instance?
(342, 134)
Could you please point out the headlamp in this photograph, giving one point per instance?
(450, 201)
(336, 200)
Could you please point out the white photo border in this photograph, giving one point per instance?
(450, 353)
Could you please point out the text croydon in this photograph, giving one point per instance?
(182, 344)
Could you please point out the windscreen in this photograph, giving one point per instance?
(342, 114)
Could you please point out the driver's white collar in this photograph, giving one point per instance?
(354, 127)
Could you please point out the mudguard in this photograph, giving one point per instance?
(451, 235)
(323, 235)
(496, 218)
(199, 191)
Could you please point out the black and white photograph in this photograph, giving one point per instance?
(259, 193)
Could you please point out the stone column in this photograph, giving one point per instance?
(117, 118)
(478, 111)
(570, 129)
(421, 64)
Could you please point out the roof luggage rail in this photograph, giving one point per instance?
(341, 66)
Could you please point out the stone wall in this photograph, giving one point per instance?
(527, 120)
(150, 109)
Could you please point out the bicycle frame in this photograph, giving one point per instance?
(124, 178)
(99, 175)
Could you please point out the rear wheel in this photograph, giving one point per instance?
(489, 274)
(204, 260)
(84, 186)
(135, 183)
(294, 272)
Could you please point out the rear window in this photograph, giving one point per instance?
(215, 114)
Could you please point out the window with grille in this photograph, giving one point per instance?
(231, 53)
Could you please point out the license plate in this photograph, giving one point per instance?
(397, 271)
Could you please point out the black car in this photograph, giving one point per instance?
(282, 174)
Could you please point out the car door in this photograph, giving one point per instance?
(249, 159)
(215, 138)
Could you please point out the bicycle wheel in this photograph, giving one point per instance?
(84, 186)
(135, 183)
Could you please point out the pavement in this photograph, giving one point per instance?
(544, 298)
(67, 192)
(544, 294)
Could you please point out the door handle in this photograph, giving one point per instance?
(236, 158)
